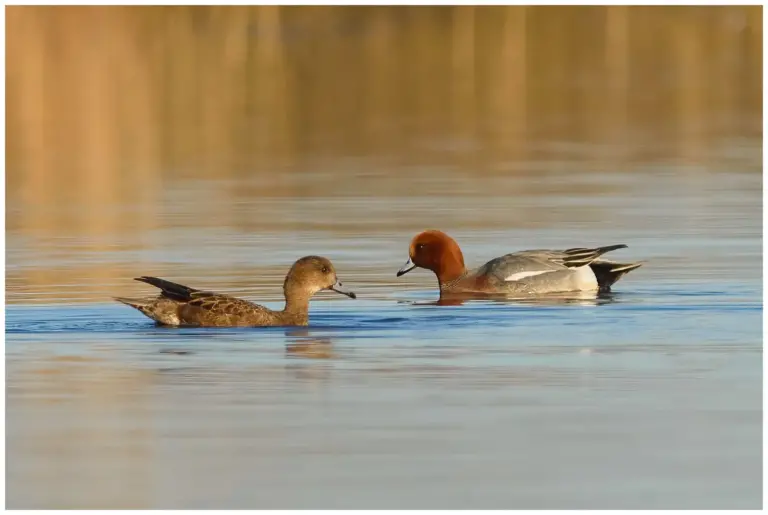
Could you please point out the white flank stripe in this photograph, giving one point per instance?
(522, 275)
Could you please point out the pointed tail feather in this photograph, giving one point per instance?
(162, 310)
(143, 305)
(134, 303)
(607, 272)
(578, 257)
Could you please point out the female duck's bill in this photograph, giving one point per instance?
(338, 287)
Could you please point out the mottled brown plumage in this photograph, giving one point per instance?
(180, 305)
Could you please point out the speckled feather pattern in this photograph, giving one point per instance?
(180, 305)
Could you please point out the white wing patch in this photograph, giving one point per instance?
(522, 275)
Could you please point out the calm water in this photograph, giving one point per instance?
(648, 398)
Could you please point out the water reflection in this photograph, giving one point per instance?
(579, 298)
(224, 142)
(232, 118)
(176, 352)
(302, 343)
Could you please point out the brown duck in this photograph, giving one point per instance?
(179, 305)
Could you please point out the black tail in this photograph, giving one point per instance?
(608, 273)
(171, 290)
(575, 258)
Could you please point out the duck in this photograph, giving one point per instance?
(525, 273)
(179, 305)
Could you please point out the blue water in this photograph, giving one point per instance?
(215, 147)
(637, 400)
(648, 397)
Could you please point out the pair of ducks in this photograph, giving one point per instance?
(525, 273)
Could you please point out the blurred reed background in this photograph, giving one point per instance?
(113, 106)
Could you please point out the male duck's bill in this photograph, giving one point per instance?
(407, 267)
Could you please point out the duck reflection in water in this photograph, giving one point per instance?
(303, 344)
(583, 298)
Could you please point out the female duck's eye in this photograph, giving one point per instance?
(325, 270)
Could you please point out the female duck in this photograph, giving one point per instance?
(529, 272)
(179, 305)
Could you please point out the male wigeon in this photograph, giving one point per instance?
(528, 272)
(179, 305)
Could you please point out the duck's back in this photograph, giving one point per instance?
(525, 273)
(546, 271)
(219, 310)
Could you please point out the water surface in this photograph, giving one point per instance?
(647, 398)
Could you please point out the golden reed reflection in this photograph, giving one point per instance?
(106, 106)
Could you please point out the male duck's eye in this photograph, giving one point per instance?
(420, 246)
